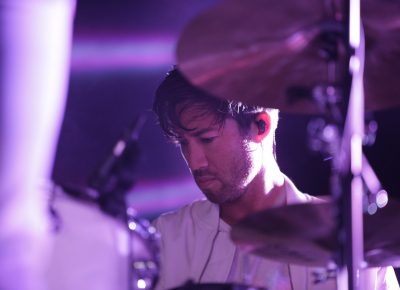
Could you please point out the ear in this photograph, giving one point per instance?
(263, 124)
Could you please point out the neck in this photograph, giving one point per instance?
(265, 191)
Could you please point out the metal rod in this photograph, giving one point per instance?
(350, 160)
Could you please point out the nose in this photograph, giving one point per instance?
(194, 156)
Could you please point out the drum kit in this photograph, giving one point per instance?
(319, 57)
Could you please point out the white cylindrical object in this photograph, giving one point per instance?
(35, 40)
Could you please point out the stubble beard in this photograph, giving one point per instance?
(226, 194)
(232, 186)
(228, 191)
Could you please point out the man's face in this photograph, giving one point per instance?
(220, 158)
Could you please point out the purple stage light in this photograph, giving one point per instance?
(105, 52)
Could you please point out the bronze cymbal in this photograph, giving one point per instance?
(270, 53)
(306, 234)
(382, 237)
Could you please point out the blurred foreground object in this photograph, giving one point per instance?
(35, 40)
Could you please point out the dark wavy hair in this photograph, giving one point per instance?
(176, 91)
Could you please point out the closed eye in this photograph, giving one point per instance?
(207, 140)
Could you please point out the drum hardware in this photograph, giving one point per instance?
(135, 243)
(91, 248)
(321, 139)
(376, 197)
(324, 274)
(257, 54)
(112, 180)
(108, 188)
(143, 269)
(79, 193)
(305, 234)
(321, 133)
(370, 130)
(116, 174)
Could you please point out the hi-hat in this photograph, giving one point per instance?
(275, 53)
(306, 234)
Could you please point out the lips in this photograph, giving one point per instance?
(203, 180)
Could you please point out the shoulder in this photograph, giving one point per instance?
(294, 195)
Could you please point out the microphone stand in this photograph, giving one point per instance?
(113, 179)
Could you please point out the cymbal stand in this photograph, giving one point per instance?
(342, 139)
(347, 184)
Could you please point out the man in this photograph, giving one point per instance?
(230, 150)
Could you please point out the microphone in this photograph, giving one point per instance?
(115, 176)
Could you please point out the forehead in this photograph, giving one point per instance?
(196, 115)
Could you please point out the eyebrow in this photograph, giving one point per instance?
(203, 131)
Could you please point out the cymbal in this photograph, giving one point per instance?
(271, 53)
(306, 234)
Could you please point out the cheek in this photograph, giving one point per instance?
(247, 159)
(230, 158)
(218, 160)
